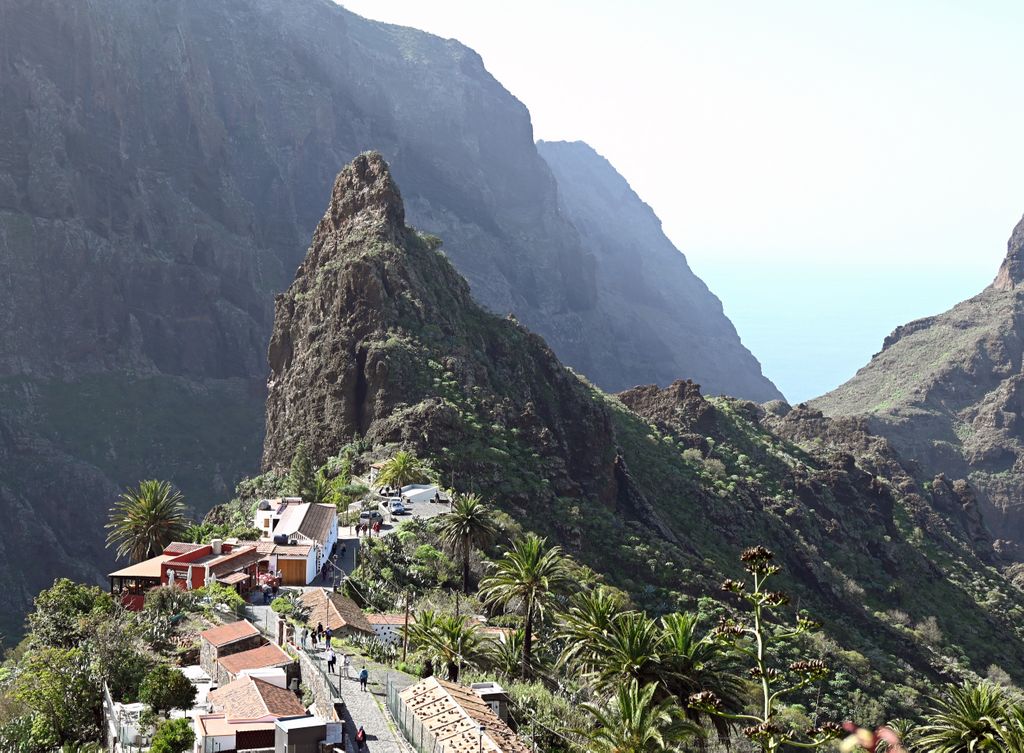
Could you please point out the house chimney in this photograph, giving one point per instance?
(217, 545)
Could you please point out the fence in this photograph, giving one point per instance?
(421, 738)
(263, 618)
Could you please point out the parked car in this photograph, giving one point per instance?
(369, 517)
(395, 506)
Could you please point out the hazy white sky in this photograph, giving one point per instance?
(831, 170)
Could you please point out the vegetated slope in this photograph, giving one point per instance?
(660, 306)
(948, 390)
(658, 489)
(161, 166)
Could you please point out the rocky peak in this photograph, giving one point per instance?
(1011, 271)
(365, 197)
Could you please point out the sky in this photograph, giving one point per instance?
(831, 170)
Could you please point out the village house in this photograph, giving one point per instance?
(244, 716)
(297, 537)
(389, 627)
(337, 612)
(225, 640)
(375, 469)
(267, 656)
(188, 566)
(454, 717)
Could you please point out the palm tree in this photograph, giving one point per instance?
(145, 520)
(635, 723)
(404, 468)
(693, 663)
(528, 577)
(630, 651)
(505, 656)
(448, 640)
(969, 718)
(468, 525)
(587, 622)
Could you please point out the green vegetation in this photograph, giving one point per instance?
(165, 688)
(467, 526)
(146, 519)
(402, 469)
(173, 736)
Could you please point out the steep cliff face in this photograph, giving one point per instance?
(665, 321)
(657, 488)
(948, 391)
(379, 338)
(161, 166)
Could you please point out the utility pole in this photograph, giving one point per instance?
(405, 633)
(457, 595)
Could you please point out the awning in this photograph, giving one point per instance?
(230, 580)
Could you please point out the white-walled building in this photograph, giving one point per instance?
(297, 537)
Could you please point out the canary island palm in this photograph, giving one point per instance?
(528, 577)
(968, 718)
(145, 520)
(468, 525)
(449, 640)
(404, 468)
(634, 722)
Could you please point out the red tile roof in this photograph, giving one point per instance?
(388, 619)
(181, 547)
(256, 658)
(251, 698)
(222, 635)
(334, 611)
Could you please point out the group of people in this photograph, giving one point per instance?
(365, 529)
(318, 635)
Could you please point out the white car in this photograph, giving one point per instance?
(394, 506)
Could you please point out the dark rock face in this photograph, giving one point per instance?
(948, 392)
(161, 166)
(665, 322)
(1011, 271)
(377, 318)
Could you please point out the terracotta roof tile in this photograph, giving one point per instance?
(334, 611)
(256, 658)
(318, 521)
(455, 713)
(388, 619)
(252, 698)
(222, 635)
(234, 560)
(181, 547)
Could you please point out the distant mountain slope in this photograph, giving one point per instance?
(664, 319)
(377, 344)
(948, 390)
(162, 163)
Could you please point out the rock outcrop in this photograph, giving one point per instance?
(666, 323)
(948, 392)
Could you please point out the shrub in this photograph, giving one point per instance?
(173, 736)
(166, 688)
(714, 467)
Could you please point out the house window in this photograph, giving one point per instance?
(266, 522)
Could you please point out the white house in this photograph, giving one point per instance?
(389, 627)
(297, 537)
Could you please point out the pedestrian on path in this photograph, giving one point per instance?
(361, 738)
(376, 529)
(364, 677)
(329, 634)
(331, 659)
(305, 636)
(343, 550)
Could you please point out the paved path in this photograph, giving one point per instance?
(366, 709)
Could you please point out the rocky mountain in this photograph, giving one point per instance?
(948, 391)
(378, 344)
(162, 163)
(669, 325)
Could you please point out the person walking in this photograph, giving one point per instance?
(361, 738)
(364, 677)
(343, 550)
(329, 634)
(332, 658)
(305, 636)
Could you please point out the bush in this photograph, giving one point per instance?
(714, 467)
(173, 736)
(282, 605)
(221, 596)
